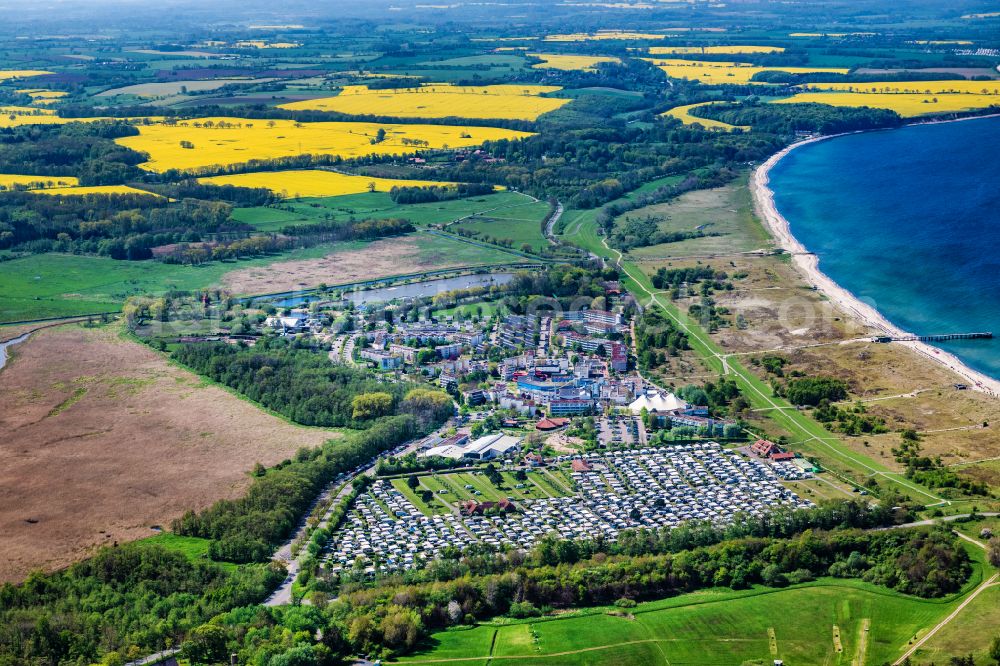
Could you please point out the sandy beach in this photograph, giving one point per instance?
(808, 265)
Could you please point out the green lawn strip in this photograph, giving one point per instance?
(533, 481)
(528, 492)
(400, 485)
(483, 485)
(559, 483)
(541, 479)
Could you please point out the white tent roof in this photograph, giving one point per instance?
(657, 402)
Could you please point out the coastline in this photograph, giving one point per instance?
(808, 265)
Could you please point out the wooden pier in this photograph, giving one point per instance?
(935, 338)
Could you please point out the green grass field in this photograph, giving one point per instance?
(61, 285)
(194, 548)
(378, 205)
(522, 224)
(710, 627)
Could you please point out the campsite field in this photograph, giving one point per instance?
(111, 440)
(223, 141)
(711, 627)
(905, 104)
(514, 102)
(316, 183)
(683, 113)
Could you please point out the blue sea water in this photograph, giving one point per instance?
(908, 220)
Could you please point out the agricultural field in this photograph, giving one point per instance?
(41, 96)
(712, 72)
(111, 440)
(872, 623)
(703, 50)
(521, 225)
(977, 88)
(604, 35)
(237, 140)
(571, 62)
(15, 116)
(353, 262)
(683, 113)
(509, 102)
(905, 104)
(9, 181)
(315, 183)
(165, 88)
(18, 74)
(379, 205)
(82, 191)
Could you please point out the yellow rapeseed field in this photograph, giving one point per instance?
(570, 62)
(41, 96)
(509, 102)
(9, 180)
(95, 189)
(314, 182)
(735, 49)
(222, 141)
(716, 73)
(603, 35)
(962, 86)
(682, 113)
(9, 74)
(904, 104)
(15, 116)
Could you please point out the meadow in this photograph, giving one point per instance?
(683, 113)
(315, 183)
(509, 102)
(522, 225)
(702, 50)
(722, 72)
(905, 104)
(378, 205)
(570, 62)
(224, 141)
(711, 627)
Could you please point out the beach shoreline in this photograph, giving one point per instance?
(807, 264)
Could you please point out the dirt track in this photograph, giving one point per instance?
(102, 438)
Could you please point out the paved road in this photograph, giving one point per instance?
(283, 595)
(154, 658)
(550, 225)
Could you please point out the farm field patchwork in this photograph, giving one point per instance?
(224, 141)
(721, 72)
(511, 102)
(316, 183)
(904, 104)
(683, 113)
(571, 62)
